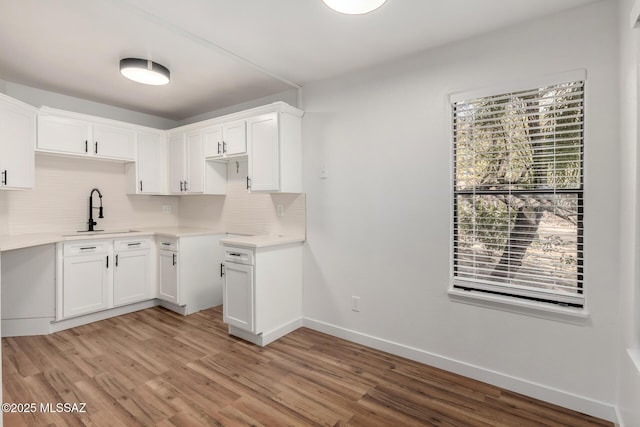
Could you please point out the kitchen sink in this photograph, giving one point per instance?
(98, 232)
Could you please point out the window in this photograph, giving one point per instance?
(518, 194)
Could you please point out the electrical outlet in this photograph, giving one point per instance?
(166, 209)
(355, 303)
(324, 174)
(280, 210)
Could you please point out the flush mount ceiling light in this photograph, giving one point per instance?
(144, 71)
(354, 7)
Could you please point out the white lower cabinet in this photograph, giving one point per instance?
(238, 304)
(189, 272)
(168, 274)
(131, 271)
(85, 286)
(262, 291)
(95, 275)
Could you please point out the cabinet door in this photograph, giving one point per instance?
(85, 284)
(149, 163)
(195, 163)
(131, 277)
(264, 155)
(169, 277)
(17, 145)
(63, 135)
(176, 163)
(234, 138)
(113, 142)
(238, 296)
(212, 142)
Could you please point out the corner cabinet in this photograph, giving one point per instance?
(17, 144)
(189, 172)
(189, 275)
(275, 151)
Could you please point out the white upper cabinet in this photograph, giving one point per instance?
(226, 140)
(17, 143)
(68, 133)
(194, 168)
(147, 174)
(63, 135)
(114, 142)
(264, 161)
(275, 151)
(189, 172)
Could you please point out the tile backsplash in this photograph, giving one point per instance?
(242, 212)
(59, 202)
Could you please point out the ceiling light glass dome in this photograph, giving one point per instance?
(354, 7)
(144, 71)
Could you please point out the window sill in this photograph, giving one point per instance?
(577, 316)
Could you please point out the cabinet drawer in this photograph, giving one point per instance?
(131, 244)
(238, 255)
(86, 247)
(168, 243)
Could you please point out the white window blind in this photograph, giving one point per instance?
(518, 194)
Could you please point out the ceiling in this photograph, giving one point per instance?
(225, 52)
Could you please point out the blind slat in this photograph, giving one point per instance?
(522, 244)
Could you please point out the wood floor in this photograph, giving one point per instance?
(156, 368)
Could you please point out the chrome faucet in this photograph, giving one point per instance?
(91, 222)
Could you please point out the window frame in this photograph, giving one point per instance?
(498, 296)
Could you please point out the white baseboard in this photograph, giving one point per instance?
(100, 315)
(267, 337)
(538, 391)
(26, 327)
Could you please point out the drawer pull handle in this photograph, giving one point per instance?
(166, 244)
(134, 244)
(86, 248)
(234, 254)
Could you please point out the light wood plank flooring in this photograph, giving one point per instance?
(156, 368)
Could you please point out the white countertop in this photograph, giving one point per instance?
(262, 240)
(18, 241)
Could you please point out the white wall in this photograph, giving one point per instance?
(379, 226)
(628, 392)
